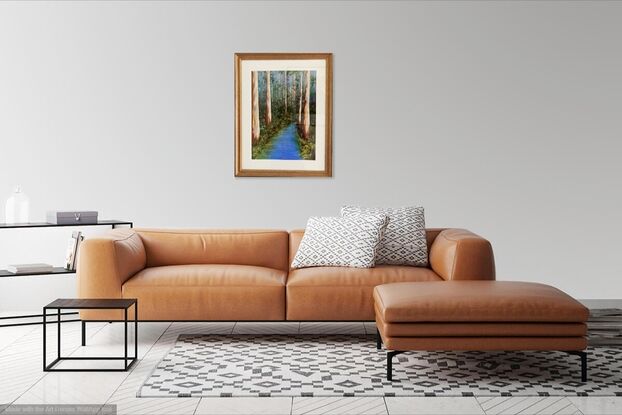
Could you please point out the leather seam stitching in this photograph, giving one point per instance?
(453, 265)
(116, 264)
(114, 240)
(203, 286)
(182, 232)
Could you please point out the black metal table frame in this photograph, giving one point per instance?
(59, 358)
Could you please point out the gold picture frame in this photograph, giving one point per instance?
(283, 114)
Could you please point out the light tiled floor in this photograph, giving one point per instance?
(528, 405)
(433, 406)
(268, 406)
(23, 381)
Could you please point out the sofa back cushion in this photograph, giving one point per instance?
(260, 248)
(296, 236)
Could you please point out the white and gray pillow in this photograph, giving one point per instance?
(404, 241)
(341, 242)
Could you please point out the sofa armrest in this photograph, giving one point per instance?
(105, 263)
(458, 254)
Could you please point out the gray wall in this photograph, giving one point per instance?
(501, 117)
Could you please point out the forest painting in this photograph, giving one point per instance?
(283, 114)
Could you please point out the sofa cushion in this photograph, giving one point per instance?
(485, 343)
(208, 292)
(207, 275)
(341, 276)
(476, 301)
(404, 240)
(262, 248)
(341, 242)
(337, 293)
(463, 329)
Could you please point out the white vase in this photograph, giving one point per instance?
(17, 207)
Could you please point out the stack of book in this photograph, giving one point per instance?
(30, 268)
(604, 327)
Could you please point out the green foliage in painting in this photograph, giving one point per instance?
(284, 117)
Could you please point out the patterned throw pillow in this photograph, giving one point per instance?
(404, 241)
(340, 242)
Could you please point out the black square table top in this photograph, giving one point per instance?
(92, 303)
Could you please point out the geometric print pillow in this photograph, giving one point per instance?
(340, 242)
(404, 241)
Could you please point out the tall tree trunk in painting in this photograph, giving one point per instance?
(255, 129)
(306, 113)
(300, 101)
(268, 100)
(286, 91)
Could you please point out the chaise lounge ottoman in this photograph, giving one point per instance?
(479, 315)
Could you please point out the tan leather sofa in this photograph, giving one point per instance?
(245, 275)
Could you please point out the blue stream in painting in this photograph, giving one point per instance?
(285, 145)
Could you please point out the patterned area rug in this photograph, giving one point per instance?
(350, 365)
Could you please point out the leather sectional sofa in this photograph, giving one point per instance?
(244, 275)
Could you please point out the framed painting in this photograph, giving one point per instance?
(283, 114)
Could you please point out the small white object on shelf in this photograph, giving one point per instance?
(17, 207)
(30, 268)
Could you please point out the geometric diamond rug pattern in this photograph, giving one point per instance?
(349, 365)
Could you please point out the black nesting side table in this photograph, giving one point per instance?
(98, 304)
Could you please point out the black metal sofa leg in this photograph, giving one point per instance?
(83, 332)
(583, 356)
(378, 340)
(390, 356)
